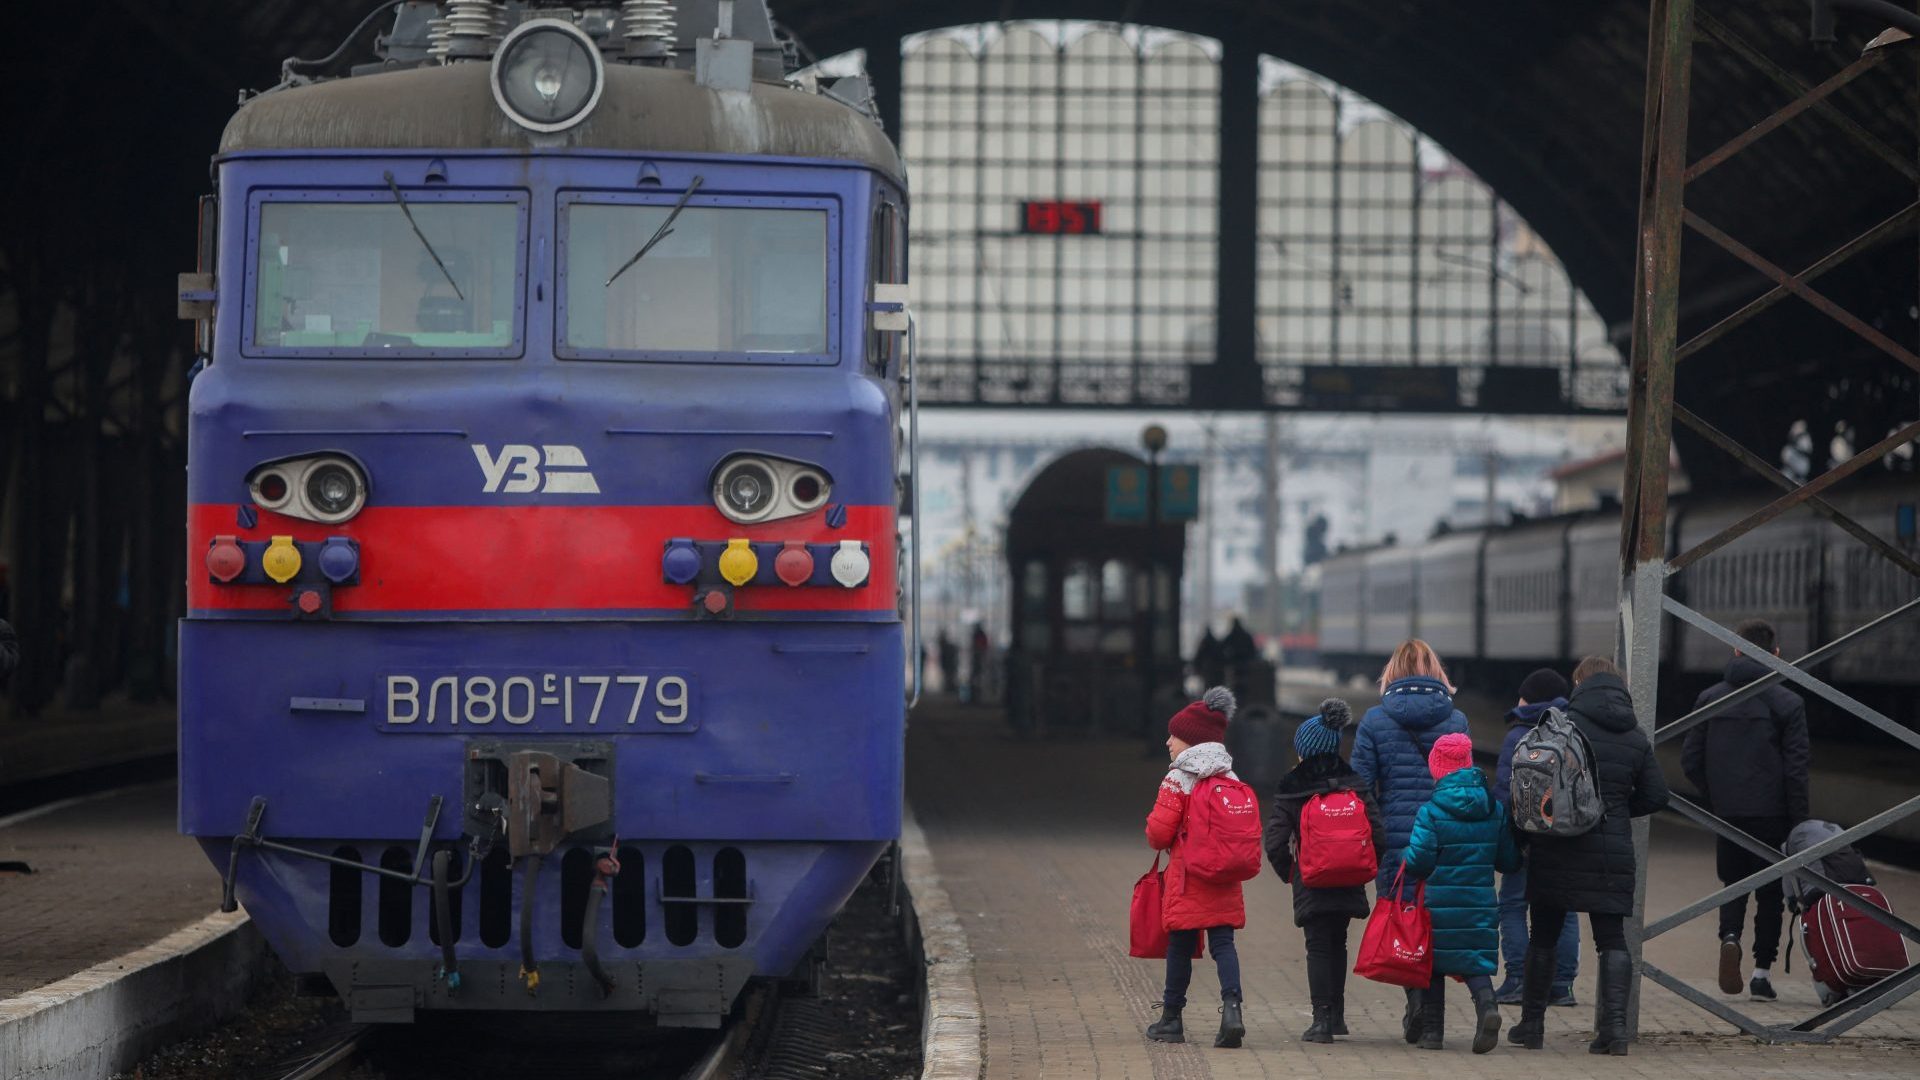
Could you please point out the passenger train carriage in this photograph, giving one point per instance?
(544, 644)
(1498, 603)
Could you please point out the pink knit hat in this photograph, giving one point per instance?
(1451, 754)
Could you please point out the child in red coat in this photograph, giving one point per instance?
(1191, 905)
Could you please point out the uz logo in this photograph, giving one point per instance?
(516, 470)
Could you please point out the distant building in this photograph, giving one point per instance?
(1589, 482)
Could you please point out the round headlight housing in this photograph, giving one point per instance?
(745, 490)
(547, 75)
(332, 489)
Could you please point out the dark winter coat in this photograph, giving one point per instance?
(1321, 774)
(1520, 720)
(1595, 870)
(1751, 761)
(1459, 839)
(1390, 754)
(9, 652)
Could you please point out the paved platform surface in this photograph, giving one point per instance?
(1038, 844)
(110, 875)
(58, 740)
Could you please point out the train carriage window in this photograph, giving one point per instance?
(727, 279)
(339, 277)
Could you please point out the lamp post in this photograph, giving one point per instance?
(1154, 438)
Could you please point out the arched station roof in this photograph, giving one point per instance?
(1541, 100)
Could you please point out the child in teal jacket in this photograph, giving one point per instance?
(1460, 837)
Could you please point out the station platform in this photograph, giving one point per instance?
(109, 876)
(1038, 843)
(119, 741)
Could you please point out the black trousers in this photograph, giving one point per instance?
(1733, 863)
(1327, 959)
(1609, 931)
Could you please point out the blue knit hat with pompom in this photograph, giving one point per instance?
(1320, 733)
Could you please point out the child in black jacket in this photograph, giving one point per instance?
(1322, 912)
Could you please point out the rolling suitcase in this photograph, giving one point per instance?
(1847, 950)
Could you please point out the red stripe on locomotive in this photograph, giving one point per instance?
(535, 558)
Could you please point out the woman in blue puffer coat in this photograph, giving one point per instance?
(1459, 839)
(1390, 755)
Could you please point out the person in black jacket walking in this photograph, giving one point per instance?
(1750, 766)
(1322, 913)
(1595, 871)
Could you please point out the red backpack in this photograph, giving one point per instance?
(1336, 842)
(1222, 832)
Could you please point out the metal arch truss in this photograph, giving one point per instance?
(1664, 217)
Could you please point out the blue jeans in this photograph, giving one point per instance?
(1513, 933)
(1180, 963)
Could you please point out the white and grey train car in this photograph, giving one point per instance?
(1498, 602)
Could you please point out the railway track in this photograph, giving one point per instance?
(356, 1051)
(339, 1055)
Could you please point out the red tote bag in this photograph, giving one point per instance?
(1147, 923)
(1398, 946)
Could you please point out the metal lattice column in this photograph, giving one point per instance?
(1664, 217)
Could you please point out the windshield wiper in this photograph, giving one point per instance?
(665, 230)
(424, 242)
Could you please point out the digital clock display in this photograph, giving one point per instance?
(1056, 217)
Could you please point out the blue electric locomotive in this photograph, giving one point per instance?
(543, 647)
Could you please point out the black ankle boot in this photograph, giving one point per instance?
(1486, 1030)
(1339, 1021)
(1233, 1027)
(1433, 1015)
(1535, 989)
(1410, 1023)
(1322, 1029)
(1616, 978)
(1167, 1029)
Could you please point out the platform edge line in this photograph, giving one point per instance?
(951, 1029)
(103, 1019)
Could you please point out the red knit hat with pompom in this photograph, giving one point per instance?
(1451, 753)
(1204, 720)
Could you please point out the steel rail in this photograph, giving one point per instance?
(336, 1059)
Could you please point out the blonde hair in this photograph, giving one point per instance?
(1414, 657)
(1595, 665)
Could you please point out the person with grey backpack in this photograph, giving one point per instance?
(1579, 779)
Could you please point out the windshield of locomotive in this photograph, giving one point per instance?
(720, 280)
(354, 276)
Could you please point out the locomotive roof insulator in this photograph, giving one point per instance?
(649, 28)
(547, 75)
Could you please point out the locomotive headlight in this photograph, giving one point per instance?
(327, 488)
(547, 75)
(752, 488)
(745, 490)
(332, 489)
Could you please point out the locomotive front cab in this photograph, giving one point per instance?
(544, 643)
